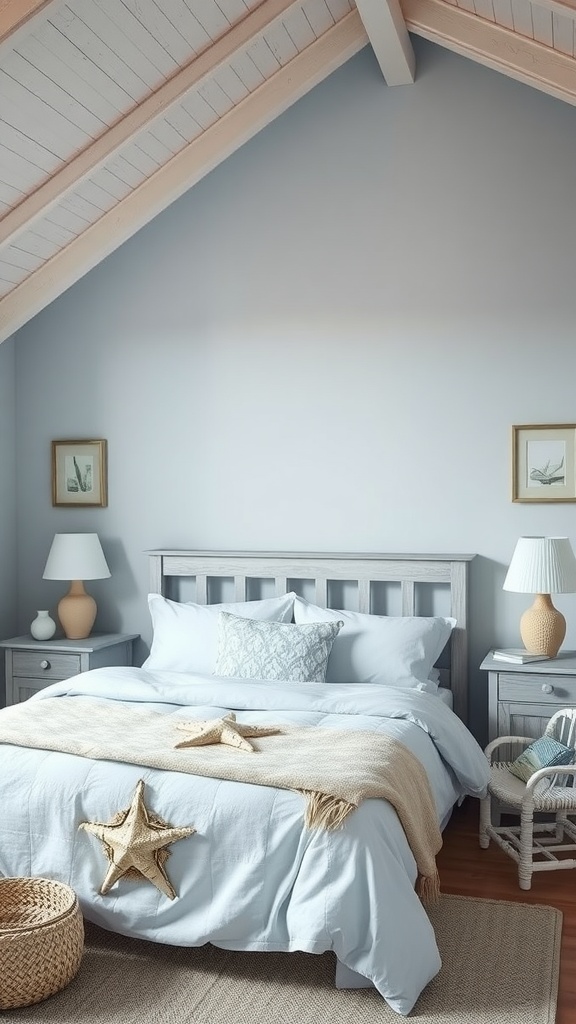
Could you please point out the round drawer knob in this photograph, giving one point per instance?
(44, 664)
(547, 688)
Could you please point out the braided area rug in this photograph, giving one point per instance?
(500, 966)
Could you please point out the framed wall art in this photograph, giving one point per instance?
(544, 462)
(79, 474)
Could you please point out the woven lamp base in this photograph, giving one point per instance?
(543, 627)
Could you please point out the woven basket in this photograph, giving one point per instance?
(41, 939)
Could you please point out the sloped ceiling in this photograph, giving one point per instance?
(112, 109)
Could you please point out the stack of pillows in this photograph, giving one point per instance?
(288, 638)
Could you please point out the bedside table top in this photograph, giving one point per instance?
(563, 664)
(95, 642)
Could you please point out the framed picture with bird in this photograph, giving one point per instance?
(543, 462)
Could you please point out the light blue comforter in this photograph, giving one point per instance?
(252, 877)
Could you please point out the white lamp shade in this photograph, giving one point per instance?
(76, 556)
(542, 565)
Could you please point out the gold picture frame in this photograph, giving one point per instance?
(544, 462)
(79, 474)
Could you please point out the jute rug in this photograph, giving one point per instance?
(500, 966)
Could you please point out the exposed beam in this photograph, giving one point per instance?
(499, 48)
(388, 35)
(18, 17)
(14, 13)
(274, 96)
(97, 153)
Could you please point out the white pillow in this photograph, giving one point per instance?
(387, 649)
(274, 650)
(185, 635)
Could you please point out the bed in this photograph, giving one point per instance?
(321, 662)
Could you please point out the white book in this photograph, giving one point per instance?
(517, 655)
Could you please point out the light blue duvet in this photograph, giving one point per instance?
(252, 877)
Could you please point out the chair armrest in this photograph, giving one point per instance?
(542, 773)
(502, 740)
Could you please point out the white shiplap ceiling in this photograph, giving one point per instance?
(111, 109)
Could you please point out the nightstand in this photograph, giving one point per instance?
(33, 664)
(522, 698)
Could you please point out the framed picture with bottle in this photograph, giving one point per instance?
(79, 474)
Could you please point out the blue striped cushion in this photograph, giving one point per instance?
(543, 753)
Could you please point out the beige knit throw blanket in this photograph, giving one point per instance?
(334, 768)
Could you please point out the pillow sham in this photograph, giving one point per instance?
(185, 635)
(250, 649)
(543, 753)
(386, 649)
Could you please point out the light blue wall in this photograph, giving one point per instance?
(8, 578)
(324, 344)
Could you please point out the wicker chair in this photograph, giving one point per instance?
(549, 790)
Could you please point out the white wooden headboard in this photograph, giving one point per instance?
(365, 571)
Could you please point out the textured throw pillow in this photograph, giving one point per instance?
(543, 753)
(386, 649)
(248, 649)
(185, 637)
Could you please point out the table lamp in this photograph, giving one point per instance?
(76, 557)
(542, 566)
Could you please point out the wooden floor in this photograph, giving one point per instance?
(469, 871)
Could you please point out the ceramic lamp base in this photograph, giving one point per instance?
(77, 612)
(543, 627)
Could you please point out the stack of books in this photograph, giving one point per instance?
(517, 655)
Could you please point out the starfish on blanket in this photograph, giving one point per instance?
(222, 730)
(135, 843)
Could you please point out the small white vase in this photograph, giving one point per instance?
(42, 627)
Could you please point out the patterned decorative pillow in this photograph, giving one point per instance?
(251, 649)
(543, 753)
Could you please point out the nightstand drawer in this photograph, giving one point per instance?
(523, 698)
(540, 688)
(23, 688)
(45, 665)
(30, 665)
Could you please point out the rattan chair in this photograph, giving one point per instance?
(534, 847)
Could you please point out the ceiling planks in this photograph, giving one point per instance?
(93, 156)
(156, 192)
(111, 109)
(495, 46)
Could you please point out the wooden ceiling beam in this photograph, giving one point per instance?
(200, 156)
(15, 13)
(496, 47)
(111, 141)
(19, 17)
(388, 35)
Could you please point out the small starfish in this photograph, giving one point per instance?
(222, 730)
(135, 843)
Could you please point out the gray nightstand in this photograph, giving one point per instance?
(33, 664)
(522, 698)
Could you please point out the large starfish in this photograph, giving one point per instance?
(135, 843)
(222, 730)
